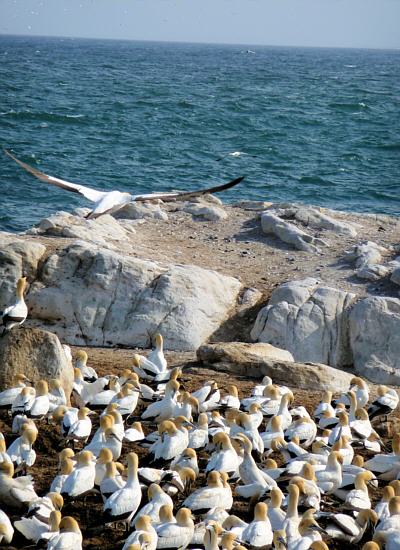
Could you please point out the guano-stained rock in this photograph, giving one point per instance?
(375, 339)
(92, 296)
(36, 353)
(258, 360)
(308, 319)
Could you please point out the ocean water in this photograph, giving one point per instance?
(321, 126)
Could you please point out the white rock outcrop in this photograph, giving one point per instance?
(140, 210)
(308, 319)
(289, 233)
(104, 231)
(205, 210)
(89, 295)
(375, 339)
(314, 217)
(368, 260)
(257, 360)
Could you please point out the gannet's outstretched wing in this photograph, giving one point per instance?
(186, 195)
(88, 192)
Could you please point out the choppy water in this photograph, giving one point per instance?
(320, 126)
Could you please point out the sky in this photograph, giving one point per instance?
(329, 23)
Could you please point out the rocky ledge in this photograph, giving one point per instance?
(320, 285)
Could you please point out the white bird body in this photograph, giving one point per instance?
(16, 313)
(81, 479)
(176, 535)
(8, 396)
(9, 530)
(152, 508)
(214, 495)
(258, 533)
(124, 503)
(330, 478)
(164, 409)
(15, 492)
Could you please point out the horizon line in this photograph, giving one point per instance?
(381, 48)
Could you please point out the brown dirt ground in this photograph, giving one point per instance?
(89, 514)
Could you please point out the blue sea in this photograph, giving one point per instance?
(321, 126)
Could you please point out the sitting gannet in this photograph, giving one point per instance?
(7, 397)
(15, 493)
(176, 534)
(258, 533)
(15, 314)
(69, 537)
(215, 494)
(387, 401)
(81, 480)
(107, 202)
(88, 373)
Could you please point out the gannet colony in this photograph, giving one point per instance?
(171, 465)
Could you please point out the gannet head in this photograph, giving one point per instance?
(166, 513)
(81, 356)
(394, 506)
(105, 456)
(276, 497)
(56, 499)
(69, 524)
(260, 511)
(184, 517)
(42, 388)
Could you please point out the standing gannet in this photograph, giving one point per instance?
(386, 402)
(198, 435)
(276, 515)
(88, 373)
(292, 519)
(272, 432)
(81, 480)
(176, 534)
(224, 458)
(156, 356)
(104, 457)
(214, 495)
(15, 314)
(324, 405)
(258, 533)
(69, 537)
(310, 494)
(108, 202)
(123, 504)
(341, 428)
(330, 478)
(171, 443)
(15, 493)
(7, 397)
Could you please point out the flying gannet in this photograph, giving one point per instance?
(107, 202)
